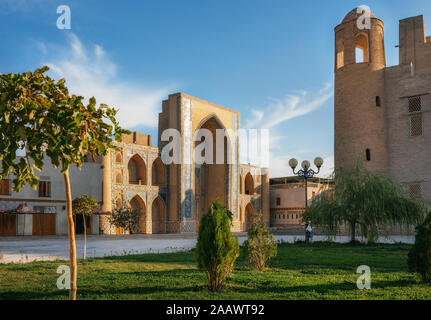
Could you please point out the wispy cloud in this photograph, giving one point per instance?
(292, 106)
(278, 111)
(89, 71)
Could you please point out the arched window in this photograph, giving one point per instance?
(362, 48)
(158, 172)
(340, 53)
(118, 203)
(249, 184)
(118, 178)
(137, 170)
(118, 157)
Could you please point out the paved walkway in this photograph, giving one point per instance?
(35, 248)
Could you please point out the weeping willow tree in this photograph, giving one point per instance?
(366, 200)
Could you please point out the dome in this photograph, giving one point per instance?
(353, 15)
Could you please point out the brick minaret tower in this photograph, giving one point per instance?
(360, 124)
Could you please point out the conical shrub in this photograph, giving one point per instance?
(216, 249)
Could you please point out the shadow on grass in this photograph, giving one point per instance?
(167, 283)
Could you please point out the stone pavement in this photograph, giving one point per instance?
(23, 249)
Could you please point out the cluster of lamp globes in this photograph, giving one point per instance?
(293, 163)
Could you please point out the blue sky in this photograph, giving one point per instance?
(271, 60)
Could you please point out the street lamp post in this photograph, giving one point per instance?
(306, 171)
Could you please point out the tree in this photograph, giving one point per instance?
(84, 205)
(420, 254)
(361, 198)
(260, 245)
(216, 249)
(126, 218)
(39, 117)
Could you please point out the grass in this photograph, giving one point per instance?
(327, 271)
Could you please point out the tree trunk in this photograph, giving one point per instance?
(84, 218)
(353, 230)
(72, 244)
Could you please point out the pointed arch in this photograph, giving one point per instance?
(137, 203)
(249, 210)
(137, 170)
(118, 202)
(158, 215)
(213, 181)
(118, 157)
(118, 178)
(249, 184)
(158, 171)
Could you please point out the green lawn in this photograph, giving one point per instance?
(327, 271)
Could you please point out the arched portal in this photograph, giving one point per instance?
(249, 184)
(158, 173)
(158, 215)
(137, 170)
(138, 204)
(249, 210)
(212, 183)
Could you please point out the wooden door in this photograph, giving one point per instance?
(44, 224)
(7, 224)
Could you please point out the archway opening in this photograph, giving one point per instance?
(158, 215)
(138, 204)
(340, 53)
(118, 157)
(137, 170)
(362, 48)
(118, 178)
(212, 178)
(249, 184)
(249, 210)
(158, 173)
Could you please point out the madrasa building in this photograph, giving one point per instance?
(171, 198)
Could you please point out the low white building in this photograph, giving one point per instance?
(49, 200)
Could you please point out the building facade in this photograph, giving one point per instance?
(49, 200)
(171, 198)
(287, 198)
(383, 114)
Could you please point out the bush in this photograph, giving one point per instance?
(260, 246)
(216, 249)
(126, 218)
(420, 255)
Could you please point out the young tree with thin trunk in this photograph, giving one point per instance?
(83, 206)
(260, 246)
(365, 199)
(39, 118)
